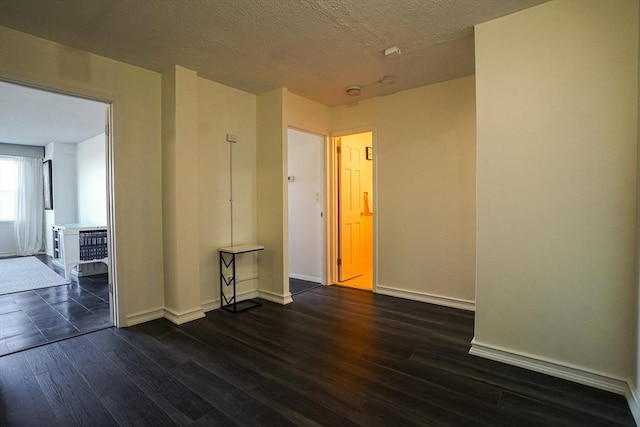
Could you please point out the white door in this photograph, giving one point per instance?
(305, 170)
(350, 262)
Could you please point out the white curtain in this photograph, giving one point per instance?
(28, 224)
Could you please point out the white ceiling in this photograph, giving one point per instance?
(36, 117)
(315, 48)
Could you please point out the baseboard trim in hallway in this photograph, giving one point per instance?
(428, 298)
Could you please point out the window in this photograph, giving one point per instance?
(8, 188)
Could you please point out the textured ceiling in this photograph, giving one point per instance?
(315, 48)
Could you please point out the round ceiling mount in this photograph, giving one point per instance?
(389, 80)
(353, 90)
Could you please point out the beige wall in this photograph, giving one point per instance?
(272, 203)
(197, 116)
(136, 149)
(556, 183)
(222, 110)
(180, 180)
(424, 151)
(307, 115)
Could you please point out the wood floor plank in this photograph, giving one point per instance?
(480, 409)
(126, 402)
(237, 404)
(225, 397)
(340, 400)
(299, 406)
(179, 402)
(71, 398)
(234, 373)
(151, 347)
(22, 401)
(375, 415)
(542, 413)
(597, 403)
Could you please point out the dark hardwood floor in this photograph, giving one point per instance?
(335, 357)
(40, 316)
(297, 286)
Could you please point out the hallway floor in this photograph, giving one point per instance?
(39, 316)
(334, 357)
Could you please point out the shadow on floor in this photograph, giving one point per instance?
(297, 286)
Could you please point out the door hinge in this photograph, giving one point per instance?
(110, 287)
(339, 150)
(339, 261)
(106, 130)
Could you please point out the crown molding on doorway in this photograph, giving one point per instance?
(426, 297)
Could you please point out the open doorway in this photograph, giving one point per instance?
(306, 177)
(354, 201)
(71, 293)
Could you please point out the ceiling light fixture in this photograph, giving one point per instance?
(353, 90)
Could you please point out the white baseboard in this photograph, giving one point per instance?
(6, 254)
(633, 398)
(145, 316)
(184, 317)
(277, 298)
(304, 277)
(555, 369)
(425, 297)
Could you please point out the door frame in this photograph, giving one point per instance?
(334, 216)
(114, 300)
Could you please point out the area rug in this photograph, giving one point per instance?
(26, 273)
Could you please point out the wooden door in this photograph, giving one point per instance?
(350, 209)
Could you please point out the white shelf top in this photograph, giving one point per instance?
(239, 249)
(81, 227)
